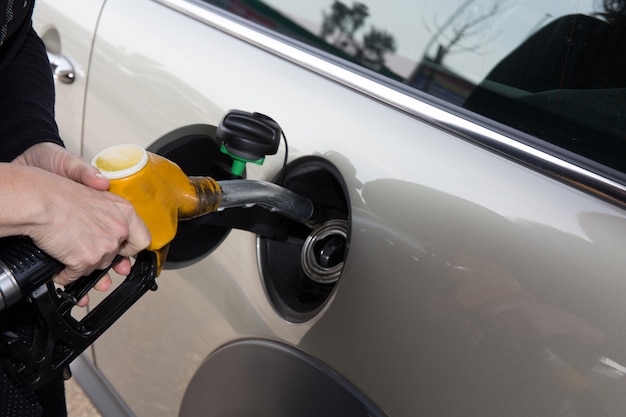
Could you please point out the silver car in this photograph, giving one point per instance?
(468, 163)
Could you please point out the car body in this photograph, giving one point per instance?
(482, 266)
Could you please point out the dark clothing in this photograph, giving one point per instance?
(26, 89)
(13, 15)
(15, 399)
(26, 118)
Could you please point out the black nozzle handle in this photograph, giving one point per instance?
(23, 268)
(54, 337)
(79, 288)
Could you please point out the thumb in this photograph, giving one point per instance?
(83, 172)
(92, 177)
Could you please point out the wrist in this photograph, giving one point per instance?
(25, 205)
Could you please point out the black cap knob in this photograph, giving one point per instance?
(249, 136)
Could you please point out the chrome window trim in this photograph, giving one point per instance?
(544, 162)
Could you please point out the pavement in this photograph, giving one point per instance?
(78, 405)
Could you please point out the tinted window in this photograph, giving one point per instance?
(554, 69)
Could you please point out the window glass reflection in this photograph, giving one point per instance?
(553, 69)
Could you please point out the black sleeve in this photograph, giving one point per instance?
(26, 99)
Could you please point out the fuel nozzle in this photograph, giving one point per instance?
(162, 194)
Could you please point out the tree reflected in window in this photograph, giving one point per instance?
(340, 28)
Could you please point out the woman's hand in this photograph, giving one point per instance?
(79, 222)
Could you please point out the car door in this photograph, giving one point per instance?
(483, 268)
(67, 29)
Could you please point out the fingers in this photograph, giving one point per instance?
(138, 238)
(104, 284)
(73, 273)
(81, 171)
(78, 222)
(83, 301)
(77, 169)
(83, 264)
(56, 159)
(85, 229)
(122, 267)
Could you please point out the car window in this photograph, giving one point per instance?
(553, 69)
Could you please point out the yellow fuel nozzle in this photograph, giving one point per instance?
(159, 190)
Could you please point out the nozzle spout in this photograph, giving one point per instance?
(241, 193)
(205, 198)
